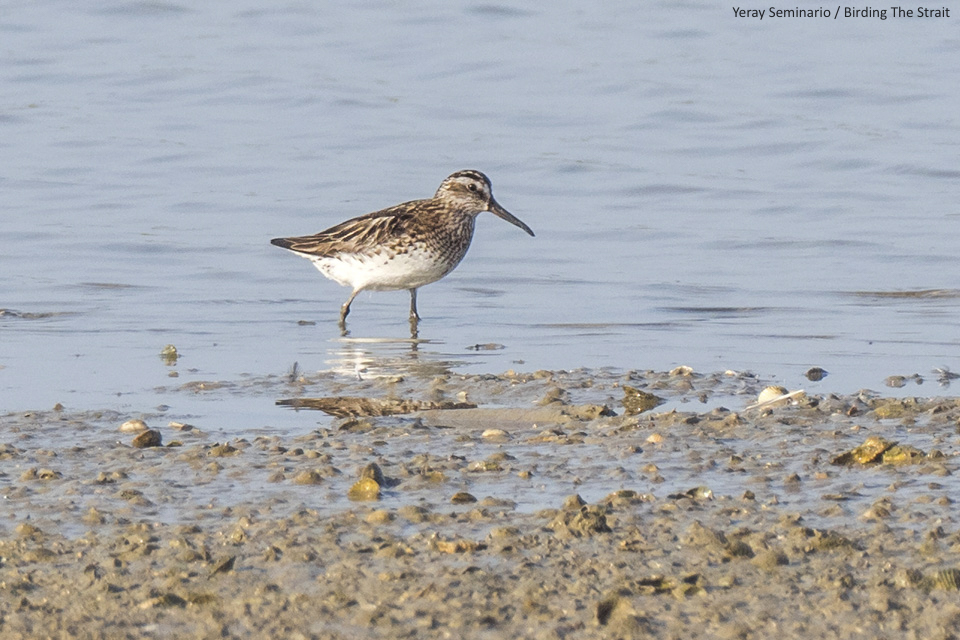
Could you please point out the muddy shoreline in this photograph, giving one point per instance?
(558, 508)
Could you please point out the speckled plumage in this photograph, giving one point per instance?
(405, 246)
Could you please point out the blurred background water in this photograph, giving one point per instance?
(711, 191)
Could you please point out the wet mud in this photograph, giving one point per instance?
(575, 504)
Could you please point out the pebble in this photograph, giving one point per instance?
(462, 497)
(364, 489)
(311, 476)
(148, 438)
(134, 426)
(498, 435)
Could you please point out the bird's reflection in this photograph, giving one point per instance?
(366, 358)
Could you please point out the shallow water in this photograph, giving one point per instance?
(705, 190)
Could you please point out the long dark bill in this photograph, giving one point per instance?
(500, 212)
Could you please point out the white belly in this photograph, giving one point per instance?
(384, 272)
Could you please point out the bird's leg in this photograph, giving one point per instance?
(345, 311)
(414, 317)
(413, 305)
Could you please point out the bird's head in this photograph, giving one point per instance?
(471, 191)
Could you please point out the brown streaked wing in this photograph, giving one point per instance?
(363, 232)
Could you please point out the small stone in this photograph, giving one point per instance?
(148, 438)
(373, 472)
(462, 497)
(903, 454)
(169, 355)
(135, 497)
(134, 426)
(895, 382)
(484, 465)
(364, 489)
(222, 450)
(815, 374)
(699, 493)
(870, 451)
(636, 401)
(308, 477)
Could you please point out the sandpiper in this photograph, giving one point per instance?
(405, 246)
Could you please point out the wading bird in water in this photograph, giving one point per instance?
(405, 246)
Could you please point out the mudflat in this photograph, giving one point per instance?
(553, 504)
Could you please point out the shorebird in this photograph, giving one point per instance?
(405, 246)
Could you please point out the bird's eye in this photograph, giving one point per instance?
(472, 186)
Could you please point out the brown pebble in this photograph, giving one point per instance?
(816, 374)
(222, 450)
(636, 401)
(148, 438)
(373, 472)
(308, 477)
(462, 497)
(364, 489)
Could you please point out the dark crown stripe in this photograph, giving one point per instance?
(471, 173)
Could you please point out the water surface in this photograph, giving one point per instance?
(707, 191)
